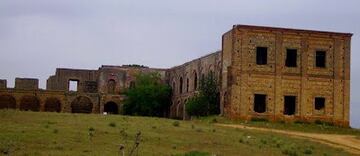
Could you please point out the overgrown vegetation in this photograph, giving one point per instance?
(149, 97)
(207, 101)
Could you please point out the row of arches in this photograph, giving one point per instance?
(80, 104)
(30, 103)
(187, 89)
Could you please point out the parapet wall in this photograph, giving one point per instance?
(3, 84)
(26, 83)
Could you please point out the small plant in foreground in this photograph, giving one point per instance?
(308, 151)
(196, 153)
(290, 151)
(176, 123)
(91, 132)
(112, 124)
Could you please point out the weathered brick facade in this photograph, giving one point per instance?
(321, 91)
(264, 72)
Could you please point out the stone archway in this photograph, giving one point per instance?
(30, 103)
(52, 105)
(81, 104)
(7, 102)
(111, 108)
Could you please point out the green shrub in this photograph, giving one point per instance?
(55, 131)
(241, 140)
(176, 123)
(259, 120)
(197, 153)
(112, 124)
(290, 151)
(308, 151)
(148, 97)
(207, 102)
(318, 122)
(91, 129)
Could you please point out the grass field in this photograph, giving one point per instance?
(318, 127)
(32, 133)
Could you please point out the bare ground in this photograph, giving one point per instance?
(348, 143)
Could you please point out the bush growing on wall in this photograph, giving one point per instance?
(207, 101)
(148, 97)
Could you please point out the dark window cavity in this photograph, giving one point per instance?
(291, 57)
(289, 105)
(320, 59)
(261, 55)
(181, 85)
(319, 103)
(195, 81)
(259, 103)
(187, 84)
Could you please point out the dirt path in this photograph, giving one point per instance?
(347, 142)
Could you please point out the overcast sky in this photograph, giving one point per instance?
(37, 36)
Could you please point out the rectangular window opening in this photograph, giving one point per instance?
(291, 58)
(319, 103)
(320, 59)
(73, 85)
(289, 105)
(261, 55)
(260, 103)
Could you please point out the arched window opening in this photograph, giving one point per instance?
(187, 84)
(7, 102)
(81, 104)
(111, 86)
(52, 105)
(30, 103)
(111, 108)
(195, 81)
(132, 84)
(181, 85)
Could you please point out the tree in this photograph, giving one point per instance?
(207, 101)
(149, 97)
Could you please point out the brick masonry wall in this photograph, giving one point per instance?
(3, 84)
(244, 78)
(27, 83)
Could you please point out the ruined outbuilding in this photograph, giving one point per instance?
(264, 72)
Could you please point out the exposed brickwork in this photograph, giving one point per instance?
(26, 83)
(190, 73)
(242, 77)
(3, 84)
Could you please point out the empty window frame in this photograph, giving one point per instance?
(319, 103)
(320, 59)
(195, 81)
(259, 103)
(291, 58)
(187, 84)
(181, 85)
(73, 85)
(289, 105)
(261, 55)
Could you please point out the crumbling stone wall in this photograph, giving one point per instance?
(184, 80)
(86, 80)
(243, 78)
(3, 84)
(26, 83)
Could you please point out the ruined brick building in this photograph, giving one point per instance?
(264, 72)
